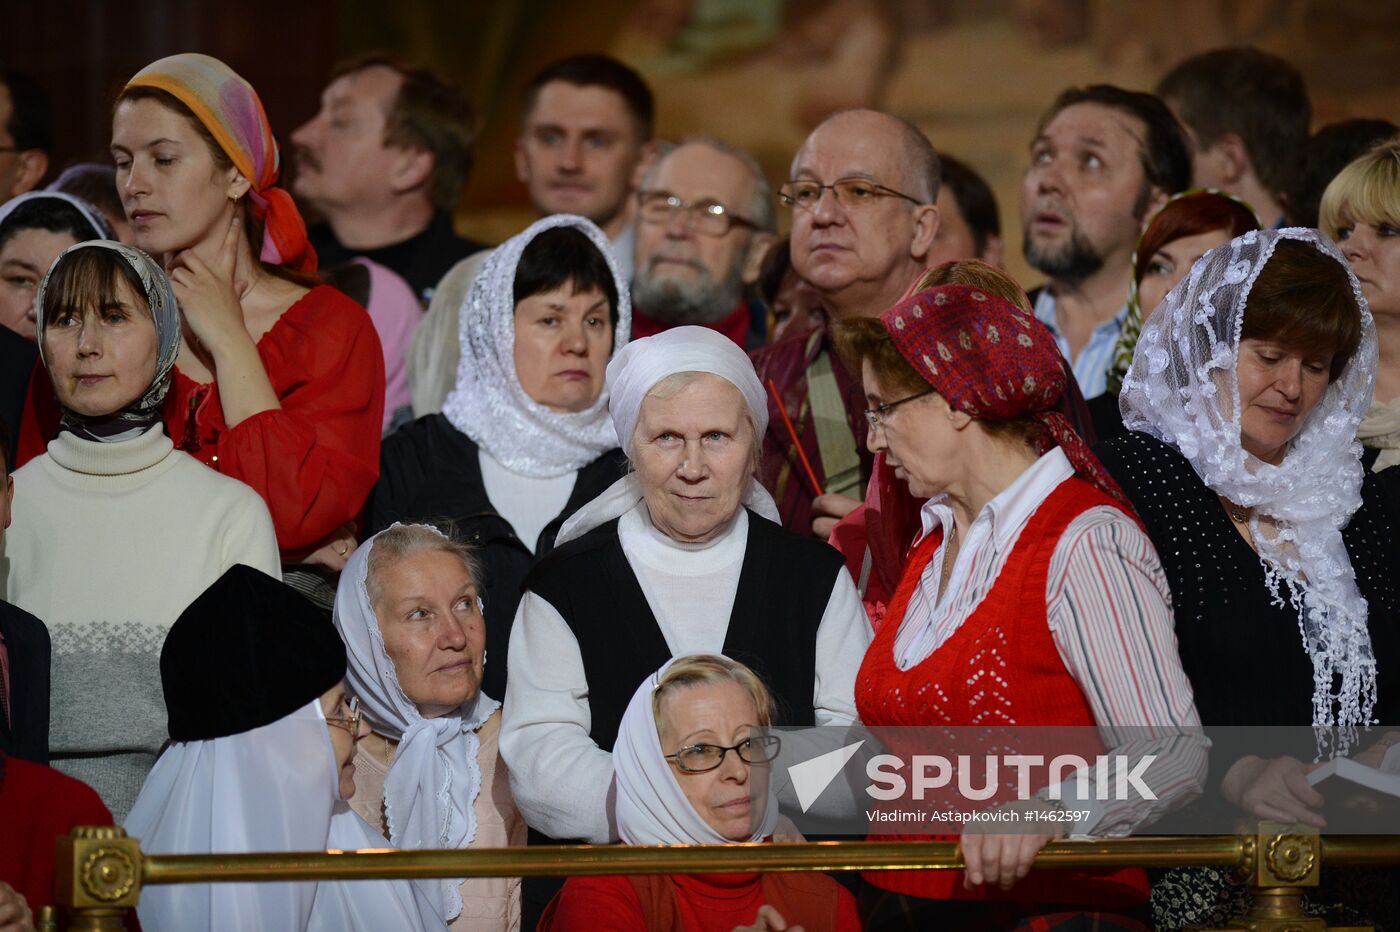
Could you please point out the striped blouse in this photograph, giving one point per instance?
(1107, 603)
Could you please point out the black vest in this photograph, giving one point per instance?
(784, 587)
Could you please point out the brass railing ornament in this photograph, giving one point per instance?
(101, 871)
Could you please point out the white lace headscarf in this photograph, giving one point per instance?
(490, 406)
(435, 779)
(1182, 388)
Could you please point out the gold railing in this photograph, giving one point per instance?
(101, 871)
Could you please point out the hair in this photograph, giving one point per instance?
(597, 71)
(761, 210)
(93, 182)
(677, 382)
(1249, 92)
(711, 670)
(31, 120)
(1191, 215)
(975, 200)
(1164, 152)
(1302, 300)
(564, 256)
(866, 338)
(401, 541)
(1366, 191)
(86, 278)
(47, 213)
(1328, 151)
(428, 113)
(252, 226)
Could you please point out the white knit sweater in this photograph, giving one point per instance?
(109, 543)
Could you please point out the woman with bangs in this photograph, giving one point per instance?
(1361, 211)
(115, 531)
(1242, 402)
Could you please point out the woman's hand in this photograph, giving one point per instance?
(16, 917)
(768, 920)
(1000, 859)
(786, 833)
(335, 550)
(1275, 788)
(208, 298)
(828, 509)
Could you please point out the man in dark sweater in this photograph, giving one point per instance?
(384, 162)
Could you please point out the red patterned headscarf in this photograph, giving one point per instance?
(231, 111)
(995, 362)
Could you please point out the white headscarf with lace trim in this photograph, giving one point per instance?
(490, 406)
(1183, 389)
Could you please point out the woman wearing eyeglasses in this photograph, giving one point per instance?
(1031, 597)
(262, 741)
(692, 763)
(429, 774)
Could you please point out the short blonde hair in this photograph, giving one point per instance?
(1366, 191)
(711, 670)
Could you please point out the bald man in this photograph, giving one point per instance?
(862, 193)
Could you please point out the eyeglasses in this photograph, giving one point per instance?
(875, 416)
(700, 758)
(351, 723)
(708, 217)
(850, 193)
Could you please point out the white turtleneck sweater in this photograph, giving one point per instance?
(109, 543)
(560, 779)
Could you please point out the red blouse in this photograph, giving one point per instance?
(314, 459)
(702, 903)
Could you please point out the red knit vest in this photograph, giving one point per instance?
(1000, 668)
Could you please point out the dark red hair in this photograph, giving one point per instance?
(1192, 214)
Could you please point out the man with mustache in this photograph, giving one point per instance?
(1102, 160)
(586, 125)
(862, 193)
(705, 218)
(384, 162)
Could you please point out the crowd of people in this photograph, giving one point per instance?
(271, 494)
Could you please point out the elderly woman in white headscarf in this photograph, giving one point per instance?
(693, 758)
(429, 774)
(263, 737)
(1242, 403)
(524, 439)
(682, 556)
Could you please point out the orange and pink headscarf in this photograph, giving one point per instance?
(230, 110)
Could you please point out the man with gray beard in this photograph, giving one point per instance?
(1103, 159)
(705, 218)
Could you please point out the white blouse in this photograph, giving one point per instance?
(526, 502)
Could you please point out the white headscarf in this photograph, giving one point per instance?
(271, 789)
(1182, 389)
(434, 780)
(101, 229)
(633, 372)
(489, 405)
(651, 807)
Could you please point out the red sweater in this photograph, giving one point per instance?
(38, 805)
(314, 459)
(707, 903)
(1000, 668)
(735, 326)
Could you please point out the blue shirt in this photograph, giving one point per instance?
(1096, 358)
